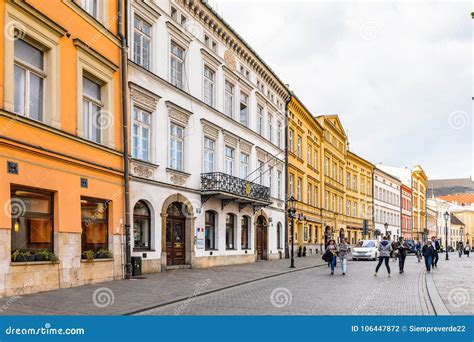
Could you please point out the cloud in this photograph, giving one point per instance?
(393, 70)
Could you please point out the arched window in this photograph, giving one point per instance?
(210, 233)
(245, 233)
(230, 232)
(141, 226)
(279, 233)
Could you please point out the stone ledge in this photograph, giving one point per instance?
(31, 263)
(96, 260)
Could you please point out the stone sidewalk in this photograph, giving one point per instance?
(126, 297)
(454, 281)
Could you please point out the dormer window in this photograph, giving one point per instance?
(174, 13)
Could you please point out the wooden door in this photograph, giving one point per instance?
(175, 241)
(261, 244)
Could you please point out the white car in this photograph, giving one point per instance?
(367, 250)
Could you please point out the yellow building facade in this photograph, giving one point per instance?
(419, 185)
(61, 175)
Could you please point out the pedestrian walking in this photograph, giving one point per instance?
(385, 247)
(437, 249)
(460, 248)
(428, 251)
(418, 251)
(332, 248)
(343, 251)
(402, 248)
(394, 250)
(467, 249)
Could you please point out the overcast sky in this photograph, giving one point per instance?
(398, 73)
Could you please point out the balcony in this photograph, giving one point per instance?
(229, 188)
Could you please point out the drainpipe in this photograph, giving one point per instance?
(287, 102)
(126, 171)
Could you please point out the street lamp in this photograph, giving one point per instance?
(386, 226)
(462, 234)
(291, 214)
(446, 217)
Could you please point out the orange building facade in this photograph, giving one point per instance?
(61, 163)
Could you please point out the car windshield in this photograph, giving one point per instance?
(368, 244)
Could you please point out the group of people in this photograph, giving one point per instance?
(463, 249)
(429, 251)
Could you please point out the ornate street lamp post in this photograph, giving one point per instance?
(461, 230)
(446, 217)
(292, 214)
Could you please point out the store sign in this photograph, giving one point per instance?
(200, 238)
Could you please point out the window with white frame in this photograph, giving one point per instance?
(270, 127)
(279, 184)
(309, 153)
(348, 208)
(91, 7)
(141, 42)
(244, 165)
(299, 147)
(340, 205)
(260, 172)
(279, 134)
(176, 147)
(348, 180)
(229, 158)
(334, 171)
(316, 192)
(298, 189)
(91, 110)
(141, 127)
(29, 75)
(326, 166)
(176, 65)
(291, 135)
(270, 179)
(308, 195)
(354, 183)
(210, 43)
(326, 200)
(292, 185)
(244, 109)
(260, 119)
(229, 99)
(354, 210)
(315, 159)
(209, 85)
(208, 157)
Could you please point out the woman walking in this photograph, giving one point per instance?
(343, 250)
(403, 248)
(332, 248)
(385, 248)
(467, 249)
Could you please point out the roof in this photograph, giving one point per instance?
(455, 220)
(459, 198)
(450, 183)
(403, 174)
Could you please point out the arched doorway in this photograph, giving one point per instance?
(175, 234)
(141, 226)
(261, 239)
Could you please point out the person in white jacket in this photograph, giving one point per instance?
(385, 248)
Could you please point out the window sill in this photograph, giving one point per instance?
(139, 250)
(29, 263)
(96, 260)
(211, 249)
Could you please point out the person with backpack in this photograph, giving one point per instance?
(385, 247)
(428, 252)
(343, 251)
(402, 248)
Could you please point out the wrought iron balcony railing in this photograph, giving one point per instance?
(234, 186)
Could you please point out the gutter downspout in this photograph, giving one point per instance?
(126, 171)
(287, 102)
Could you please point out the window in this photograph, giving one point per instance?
(91, 110)
(91, 7)
(176, 65)
(326, 200)
(315, 159)
(291, 140)
(270, 127)
(348, 208)
(279, 235)
(176, 147)
(326, 166)
(28, 80)
(354, 183)
(32, 220)
(209, 87)
(309, 154)
(308, 195)
(348, 180)
(209, 148)
(141, 42)
(141, 226)
(298, 190)
(305, 233)
(260, 172)
(244, 165)
(362, 185)
(210, 43)
(183, 20)
(279, 184)
(245, 236)
(141, 127)
(174, 13)
(229, 156)
(279, 134)
(244, 109)
(210, 230)
(340, 175)
(334, 171)
(340, 205)
(299, 147)
(94, 222)
(316, 192)
(354, 210)
(260, 120)
(270, 179)
(230, 231)
(292, 185)
(229, 99)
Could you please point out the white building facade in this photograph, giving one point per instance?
(207, 141)
(387, 204)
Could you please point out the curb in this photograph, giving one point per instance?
(177, 300)
(433, 294)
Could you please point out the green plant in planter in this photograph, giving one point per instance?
(42, 255)
(88, 255)
(19, 256)
(103, 254)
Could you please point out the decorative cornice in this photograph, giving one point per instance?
(94, 53)
(178, 34)
(209, 129)
(245, 147)
(209, 58)
(178, 113)
(143, 97)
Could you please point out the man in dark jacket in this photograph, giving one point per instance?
(437, 248)
(428, 251)
(403, 248)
